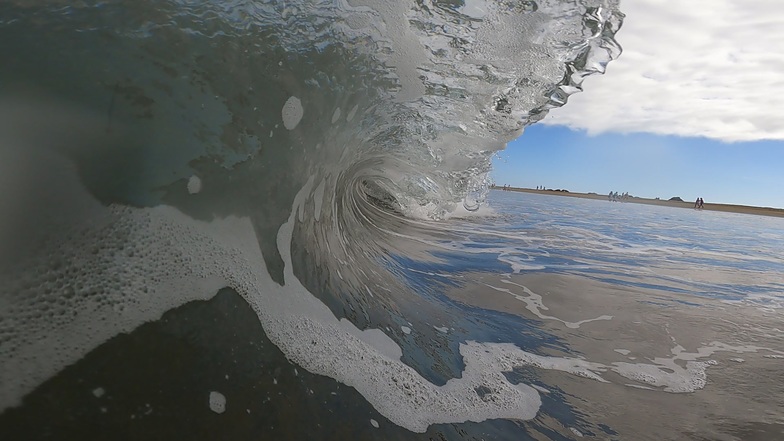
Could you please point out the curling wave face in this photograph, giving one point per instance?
(355, 124)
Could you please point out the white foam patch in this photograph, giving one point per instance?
(217, 402)
(540, 389)
(90, 284)
(669, 375)
(664, 373)
(292, 113)
(336, 115)
(622, 351)
(98, 392)
(504, 357)
(194, 184)
(444, 329)
(406, 330)
(519, 264)
(637, 386)
(374, 423)
(375, 338)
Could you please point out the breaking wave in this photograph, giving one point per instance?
(347, 128)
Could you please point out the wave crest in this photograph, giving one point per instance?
(388, 113)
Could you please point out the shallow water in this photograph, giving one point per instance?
(681, 286)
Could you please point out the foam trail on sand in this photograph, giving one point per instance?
(535, 304)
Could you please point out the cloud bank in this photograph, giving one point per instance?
(710, 68)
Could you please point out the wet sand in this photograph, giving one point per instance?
(742, 209)
(743, 395)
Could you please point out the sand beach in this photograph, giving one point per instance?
(743, 209)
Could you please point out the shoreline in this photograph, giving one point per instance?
(730, 208)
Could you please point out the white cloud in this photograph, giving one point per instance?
(712, 68)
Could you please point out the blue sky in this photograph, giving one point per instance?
(646, 165)
(693, 107)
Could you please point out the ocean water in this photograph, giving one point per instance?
(248, 219)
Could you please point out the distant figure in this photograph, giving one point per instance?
(701, 203)
(609, 196)
(697, 203)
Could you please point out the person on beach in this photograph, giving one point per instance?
(701, 204)
(697, 203)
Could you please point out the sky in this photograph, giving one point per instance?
(693, 107)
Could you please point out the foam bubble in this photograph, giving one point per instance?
(194, 184)
(292, 113)
(217, 402)
(406, 330)
(374, 423)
